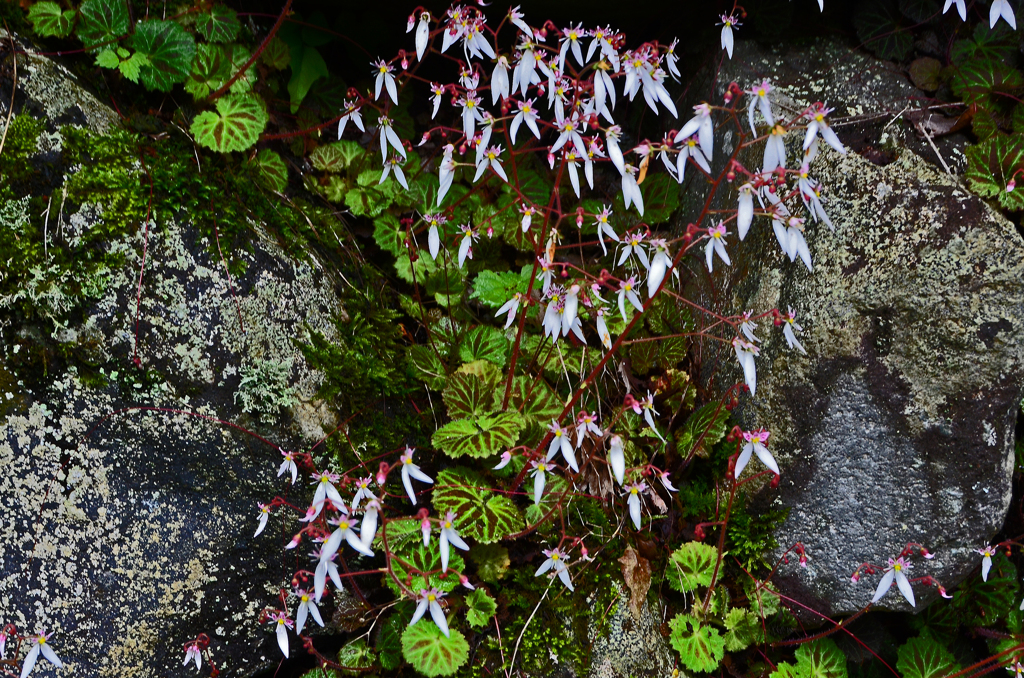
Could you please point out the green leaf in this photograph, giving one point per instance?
(271, 170)
(986, 602)
(107, 59)
(822, 659)
(276, 54)
(389, 234)
(49, 21)
(763, 602)
(310, 69)
(743, 628)
(482, 513)
(532, 397)
(920, 11)
(478, 437)
(102, 22)
(335, 157)
(993, 85)
(427, 366)
(494, 289)
(220, 25)
(132, 66)
(491, 561)
(170, 50)
(923, 657)
(470, 395)
(661, 198)
(484, 343)
(419, 567)
(430, 652)
(990, 165)
(786, 670)
(879, 27)
(997, 44)
(691, 565)
(703, 430)
(481, 608)
(356, 655)
(389, 643)
(700, 648)
(235, 126)
(210, 70)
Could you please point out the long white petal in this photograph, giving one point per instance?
(421, 609)
(884, 585)
(408, 484)
(353, 540)
(905, 588)
(457, 541)
(433, 242)
(766, 457)
(634, 509)
(444, 550)
(30, 661)
(749, 372)
(727, 39)
(538, 487)
(300, 617)
(282, 638)
(986, 565)
(316, 613)
(437, 614)
(563, 574)
(745, 214)
(320, 580)
(743, 459)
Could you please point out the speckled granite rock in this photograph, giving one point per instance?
(898, 425)
(129, 531)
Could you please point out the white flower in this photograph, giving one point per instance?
(516, 17)
(745, 352)
(499, 81)
(324, 569)
(446, 172)
(671, 59)
(690, 149)
(288, 465)
(556, 564)
(818, 125)
(961, 7)
(604, 228)
(791, 239)
(602, 329)
(716, 245)
(748, 326)
(663, 477)
(306, 607)
(511, 307)
(586, 423)
(745, 210)
(438, 91)
(345, 532)
(433, 233)
(634, 245)
(449, 536)
(633, 491)
(647, 407)
(604, 88)
(363, 491)
(264, 515)
(39, 645)
(388, 136)
(569, 132)
(631, 190)
(661, 262)
(368, 526)
(986, 561)
(895, 571)
(626, 291)
(775, 150)
(539, 469)
(702, 126)
(394, 165)
(727, 40)
(351, 113)
(430, 600)
(759, 100)
(385, 79)
(466, 246)
(490, 159)
(282, 623)
(411, 470)
(422, 35)
(789, 324)
(560, 443)
(1001, 8)
(325, 490)
(506, 457)
(756, 445)
(571, 40)
(471, 115)
(617, 459)
(193, 653)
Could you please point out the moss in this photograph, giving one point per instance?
(19, 145)
(264, 389)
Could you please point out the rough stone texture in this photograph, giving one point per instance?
(898, 425)
(630, 647)
(130, 533)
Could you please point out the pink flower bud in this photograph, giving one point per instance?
(295, 541)
(1010, 185)
(855, 578)
(490, 231)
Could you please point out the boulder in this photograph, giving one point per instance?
(128, 522)
(897, 425)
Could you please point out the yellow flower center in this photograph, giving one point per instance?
(554, 556)
(447, 523)
(431, 597)
(305, 598)
(897, 567)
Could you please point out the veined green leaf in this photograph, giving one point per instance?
(691, 566)
(703, 430)
(924, 657)
(482, 513)
(335, 157)
(481, 608)
(49, 21)
(220, 24)
(235, 126)
(822, 659)
(700, 647)
(990, 165)
(102, 22)
(271, 170)
(479, 437)
(430, 652)
(170, 50)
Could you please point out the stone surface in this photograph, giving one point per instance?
(127, 530)
(898, 424)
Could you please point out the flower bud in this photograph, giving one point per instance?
(1010, 185)
(775, 482)
(698, 533)
(490, 231)
(294, 542)
(855, 578)
(382, 472)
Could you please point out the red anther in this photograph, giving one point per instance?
(730, 176)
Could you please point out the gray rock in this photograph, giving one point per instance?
(127, 524)
(897, 426)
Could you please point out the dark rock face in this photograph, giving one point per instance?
(898, 425)
(128, 534)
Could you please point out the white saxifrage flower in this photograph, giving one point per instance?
(539, 480)
(1001, 9)
(788, 327)
(368, 526)
(345, 532)
(716, 245)
(388, 137)
(466, 246)
(40, 645)
(775, 149)
(702, 126)
(363, 491)
(351, 113)
(556, 564)
(384, 79)
(818, 125)
(759, 101)
(661, 264)
(631, 190)
(490, 159)
(986, 560)
(728, 21)
(264, 516)
(325, 489)
(633, 492)
(560, 443)
(745, 210)
(628, 291)
(307, 607)
(410, 471)
(430, 599)
(755, 444)
(192, 654)
(895, 571)
(288, 465)
(617, 459)
(422, 36)
(450, 536)
(324, 569)
(510, 307)
(586, 423)
(745, 352)
(690, 149)
(602, 329)
(282, 623)
(499, 80)
(961, 6)
(394, 166)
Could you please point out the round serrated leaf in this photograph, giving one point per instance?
(482, 436)
(210, 69)
(481, 608)
(48, 20)
(220, 24)
(389, 643)
(276, 54)
(879, 27)
(469, 395)
(335, 157)
(170, 50)
(691, 565)
(822, 658)
(484, 343)
(430, 652)
(481, 513)
(924, 657)
(409, 565)
(271, 170)
(235, 126)
(990, 165)
(700, 647)
(102, 21)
